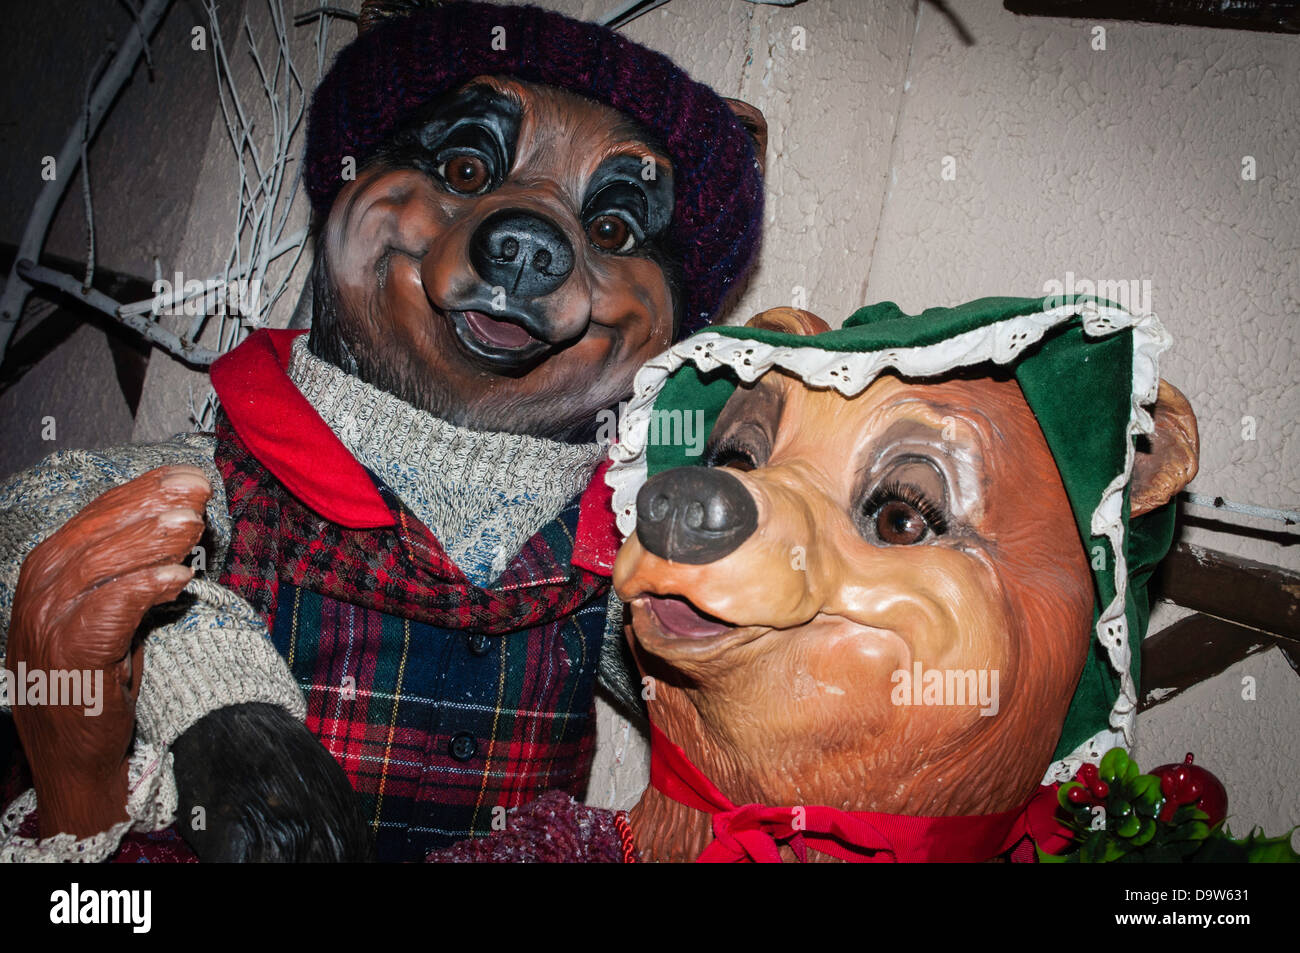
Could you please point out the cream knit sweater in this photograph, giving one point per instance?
(483, 495)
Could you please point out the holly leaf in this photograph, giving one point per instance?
(1259, 849)
(1145, 833)
(1219, 850)
(1113, 852)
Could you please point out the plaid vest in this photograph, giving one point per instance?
(444, 702)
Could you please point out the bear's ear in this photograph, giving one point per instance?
(1169, 462)
(788, 320)
(375, 12)
(752, 120)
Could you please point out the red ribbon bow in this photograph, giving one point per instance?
(752, 833)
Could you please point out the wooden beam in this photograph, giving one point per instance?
(1274, 16)
(1193, 650)
(1242, 591)
(1242, 607)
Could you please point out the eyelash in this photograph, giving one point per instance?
(913, 497)
(730, 447)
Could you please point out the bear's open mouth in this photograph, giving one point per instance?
(678, 618)
(503, 345)
(672, 628)
(504, 335)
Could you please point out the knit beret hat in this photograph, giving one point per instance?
(1087, 368)
(389, 71)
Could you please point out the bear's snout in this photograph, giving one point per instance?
(522, 253)
(694, 515)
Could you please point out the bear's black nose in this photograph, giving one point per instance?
(521, 252)
(694, 515)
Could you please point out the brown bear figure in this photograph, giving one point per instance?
(402, 498)
(871, 617)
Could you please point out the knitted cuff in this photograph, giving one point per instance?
(150, 805)
(217, 655)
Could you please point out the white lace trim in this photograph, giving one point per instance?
(851, 372)
(150, 803)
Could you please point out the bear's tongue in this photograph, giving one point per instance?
(678, 617)
(497, 333)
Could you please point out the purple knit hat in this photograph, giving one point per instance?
(383, 76)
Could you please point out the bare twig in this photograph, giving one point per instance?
(38, 222)
(85, 166)
(151, 331)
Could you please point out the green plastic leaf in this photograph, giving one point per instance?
(1112, 764)
(1259, 849)
(1087, 851)
(1146, 831)
(1196, 830)
(1145, 789)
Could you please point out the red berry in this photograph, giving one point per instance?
(1189, 783)
(1101, 789)
(1078, 796)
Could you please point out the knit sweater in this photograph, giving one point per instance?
(216, 654)
(484, 494)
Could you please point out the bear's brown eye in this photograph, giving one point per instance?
(898, 514)
(610, 233)
(900, 524)
(465, 174)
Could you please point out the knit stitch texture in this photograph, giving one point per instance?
(482, 494)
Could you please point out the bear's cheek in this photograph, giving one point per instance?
(924, 610)
(961, 618)
(632, 304)
(837, 673)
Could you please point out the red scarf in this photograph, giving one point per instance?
(751, 833)
(285, 435)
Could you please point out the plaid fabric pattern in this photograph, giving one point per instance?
(440, 699)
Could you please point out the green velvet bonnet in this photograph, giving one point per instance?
(1088, 370)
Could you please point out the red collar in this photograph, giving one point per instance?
(286, 435)
(750, 834)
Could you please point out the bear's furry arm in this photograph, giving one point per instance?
(209, 650)
(617, 673)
